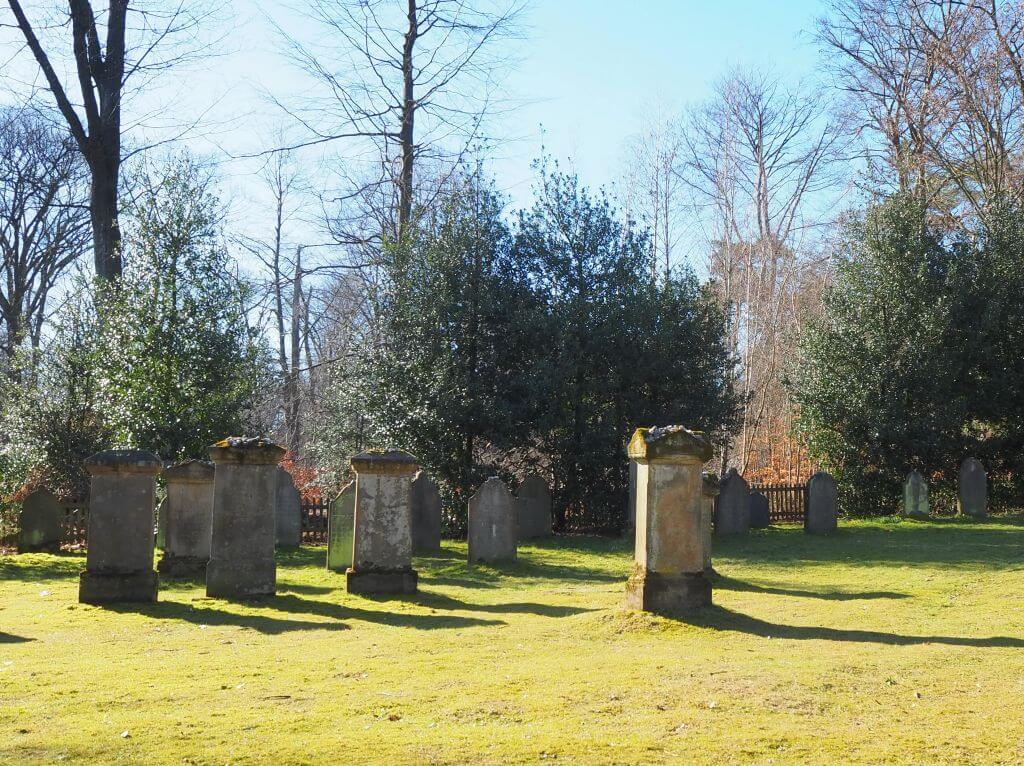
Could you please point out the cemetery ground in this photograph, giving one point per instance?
(889, 642)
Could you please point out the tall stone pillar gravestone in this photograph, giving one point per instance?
(382, 545)
(493, 527)
(915, 496)
(119, 559)
(340, 528)
(760, 513)
(822, 516)
(39, 523)
(709, 491)
(972, 499)
(426, 515)
(288, 512)
(244, 528)
(669, 559)
(188, 508)
(732, 510)
(534, 507)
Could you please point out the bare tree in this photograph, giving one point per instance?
(43, 223)
(408, 81)
(107, 49)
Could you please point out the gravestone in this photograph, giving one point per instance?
(670, 554)
(39, 523)
(119, 559)
(760, 517)
(709, 491)
(382, 541)
(972, 498)
(161, 524)
(340, 528)
(822, 516)
(493, 527)
(288, 512)
(915, 496)
(243, 531)
(732, 510)
(630, 529)
(534, 508)
(188, 510)
(426, 515)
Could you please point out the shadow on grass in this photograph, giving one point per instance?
(731, 583)
(719, 618)
(41, 566)
(437, 601)
(200, 614)
(9, 638)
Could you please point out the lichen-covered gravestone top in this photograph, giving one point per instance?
(493, 527)
(732, 510)
(915, 496)
(39, 523)
(973, 490)
(534, 500)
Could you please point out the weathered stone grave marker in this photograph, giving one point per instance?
(670, 556)
(972, 496)
(630, 529)
(244, 526)
(493, 527)
(915, 496)
(534, 508)
(760, 515)
(709, 491)
(288, 512)
(188, 509)
(119, 559)
(340, 528)
(822, 516)
(382, 546)
(426, 515)
(39, 523)
(732, 510)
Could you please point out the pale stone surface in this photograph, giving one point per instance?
(534, 507)
(915, 496)
(188, 514)
(426, 515)
(244, 528)
(39, 523)
(707, 516)
(822, 504)
(493, 528)
(972, 497)
(119, 559)
(161, 524)
(382, 544)
(340, 529)
(288, 512)
(760, 516)
(670, 551)
(732, 511)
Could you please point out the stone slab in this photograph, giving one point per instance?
(732, 509)
(822, 516)
(39, 523)
(534, 508)
(340, 529)
(493, 528)
(426, 515)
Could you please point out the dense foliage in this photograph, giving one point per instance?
(909, 365)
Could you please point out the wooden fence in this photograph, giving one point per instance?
(787, 503)
(74, 524)
(314, 521)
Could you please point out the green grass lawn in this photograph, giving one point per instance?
(894, 643)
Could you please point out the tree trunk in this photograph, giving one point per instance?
(406, 132)
(103, 210)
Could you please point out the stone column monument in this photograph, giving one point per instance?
(493, 534)
(669, 559)
(732, 510)
(822, 515)
(915, 496)
(426, 515)
(39, 523)
(707, 517)
(243, 531)
(972, 498)
(340, 526)
(382, 545)
(189, 511)
(119, 559)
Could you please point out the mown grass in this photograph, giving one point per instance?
(888, 643)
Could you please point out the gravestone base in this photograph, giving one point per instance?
(378, 581)
(117, 588)
(29, 546)
(918, 516)
(668, 593)
(232, 580)
(172, 566)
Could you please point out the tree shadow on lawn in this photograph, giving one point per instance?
(200, 614)
(438, 601)
(995, 544)
(41, 566)
(10, 638)
(720, 618)
(731, 583)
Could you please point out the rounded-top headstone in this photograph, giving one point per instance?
(915, 496)
(732, 510)
(493, 527)
(246, 450)
(392, 462)
(123, 461)
(973, 490)
(669, 443)
(760, 514)
(39, 527)
(534, 500)
(822, 516)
